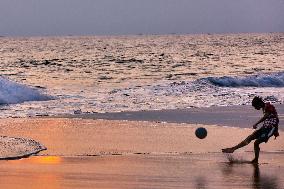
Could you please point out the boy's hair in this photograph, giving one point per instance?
(257, 101)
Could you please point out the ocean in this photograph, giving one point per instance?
(44, 76)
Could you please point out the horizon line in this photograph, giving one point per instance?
(136, 34)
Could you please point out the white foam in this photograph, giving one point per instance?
(198, 93)
(13, 93)
(15, 148)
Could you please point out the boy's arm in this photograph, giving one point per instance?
(261, 120)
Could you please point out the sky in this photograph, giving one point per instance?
(123, 17)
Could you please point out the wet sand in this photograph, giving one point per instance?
(85, 153)
(233, 116)
(141, 171)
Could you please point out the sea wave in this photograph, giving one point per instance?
(187, 94)
(262, 80)
(13, 93)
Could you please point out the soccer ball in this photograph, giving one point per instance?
(201, 133)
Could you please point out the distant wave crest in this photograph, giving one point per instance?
(262, 80)
(13, 93)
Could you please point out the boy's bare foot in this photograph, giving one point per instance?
(228, 150)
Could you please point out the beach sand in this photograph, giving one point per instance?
(89, 153)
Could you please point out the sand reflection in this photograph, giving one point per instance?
(39, 160)
(47, 160)
(263, 181)
(249, 176)
(31, 173)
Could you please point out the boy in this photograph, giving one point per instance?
(270, 127)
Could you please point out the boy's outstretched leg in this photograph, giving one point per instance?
(240, 145)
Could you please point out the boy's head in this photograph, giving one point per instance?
(257, 103)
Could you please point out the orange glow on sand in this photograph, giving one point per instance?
(47, 160)
(39, 160)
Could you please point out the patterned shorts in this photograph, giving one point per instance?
(263, 134)
(271, 122)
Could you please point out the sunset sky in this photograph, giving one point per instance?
(112, 17)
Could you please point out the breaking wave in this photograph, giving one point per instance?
(13, 93)
(262, 80)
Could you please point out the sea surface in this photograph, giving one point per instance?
(42, 76)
